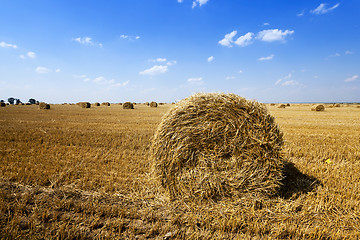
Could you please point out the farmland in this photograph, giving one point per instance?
(80, 173)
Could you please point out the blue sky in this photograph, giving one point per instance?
(165, 50)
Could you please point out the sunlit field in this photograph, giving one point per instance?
(77, 173)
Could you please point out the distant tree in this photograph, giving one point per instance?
(32, 101)
(17, 101)
(11, 100)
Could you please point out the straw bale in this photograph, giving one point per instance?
(43, 105)
(318, 108)
(282, 106)
(215, 145)
(84, 104)
(153, 104)
(128, 105)
(96, 104)
(288, 104)
(337, 105)
(147, 103)
(272, 104)
(2, 104)
(106, 104)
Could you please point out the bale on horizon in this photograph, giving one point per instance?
(84, 104)
(96, 104)
(43, 105)
(153, 104)
(2, 104)
(128, 105)
(214, 145)
(318, 108)
(282, 106)
(106, 104)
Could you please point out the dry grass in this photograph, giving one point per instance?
(70, 174)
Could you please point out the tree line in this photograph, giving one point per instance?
(12, 100)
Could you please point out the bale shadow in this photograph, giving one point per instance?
(295, 182)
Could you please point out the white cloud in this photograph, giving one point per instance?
(290, 83)
(180, 1)
(347, 52)
(199, 79)
(301, 14)
(245, 40)
(22, 56)
(57, 70)
(272, 35)
(227, 40)
(230, 78)
(158, 60)
(199, 2)
(130, 38)
(351, 79)
(284, 78)
(87, 41)
(267, 58)
(210, 59)
(121, 84)
(170, 63)
(7, 45)
(31, 55)
(240, 71)
(42, 70)
(155, 70)
(322, 9)
(266, 24)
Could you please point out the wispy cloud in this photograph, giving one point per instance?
(210, 59)
(7, 45)
(170, 63)
(322, 9)
(266, 58)
(284, 78)
(42, 70)
(158, 60)
(230, 77)
(351, 79)
(87, 41)
(291, 83)
(196, 81)
(245, 40)
(130, 38)
(272, 35)
(180, 1)
(31, 55)
(155, 70)
(228, 39)
(301, 13)
(347, 52)
(199, 3)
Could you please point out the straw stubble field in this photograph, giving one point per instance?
(80, 173)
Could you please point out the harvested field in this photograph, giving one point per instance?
(74, 174)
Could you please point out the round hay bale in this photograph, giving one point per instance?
(153, 104)
(147, 103)
(215, 145)
(161, 103)
(120, 104)
(2, 104)
(106, 104)
(318, 108)
(272, 104)
(337, 105)
(96, 104)
(288, 104)
(43, 105)
(282, 106)
(84, 104)
(128, 105)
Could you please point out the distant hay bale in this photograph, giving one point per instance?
(282, 106)
(84, 104)
(161, 103)
(128, 105)
(337, 105)
(106, 104)
(288, 104)
(215, 145)
(318, 108)
(2, 104)
(153, 104)
(96, 104)
(147, 103)
(43, 105)
(120, 104)
(272, 104)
